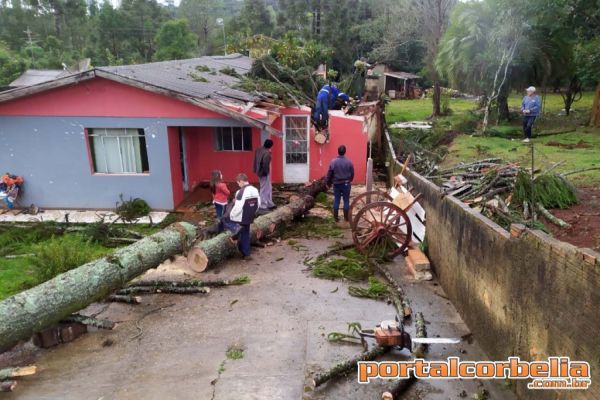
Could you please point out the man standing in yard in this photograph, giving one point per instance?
(340, 175)
(530, 107)
(242, 214)
(262, 168)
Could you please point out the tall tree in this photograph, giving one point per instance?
(202, 16)
(175, 41)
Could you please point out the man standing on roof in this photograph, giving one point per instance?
(326, 99)
(340, 175)
(530, 107)
(262, 168)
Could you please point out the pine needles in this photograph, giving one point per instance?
(376, 290)
(348, 264)
(550, 190)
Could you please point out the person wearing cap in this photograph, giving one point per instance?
(530, 107)
(326, 99)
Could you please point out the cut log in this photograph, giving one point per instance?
(166, 289)
(207, 253)
(9, 373)
(555, 220)
(44, 305)
(117, 298)
(8, 386)
(349, 365)
(98, 323)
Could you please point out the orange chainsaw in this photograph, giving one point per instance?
(392, 334)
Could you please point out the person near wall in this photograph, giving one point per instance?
(326, 99)
(340, 176)
(530, 107)
(241, 212)
(220, 192)
(262, 168)
(9, 189)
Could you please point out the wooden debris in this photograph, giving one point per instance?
(555, 220)
(97, 323)
(348, 366)
(8, 386)
(117, 298)
(420, 349)
(418, 264)
(9, 373)
(165, 289)
(56, 299)
(241, 280)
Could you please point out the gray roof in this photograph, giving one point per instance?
(402, 75)
(35, 76)
(189, 77)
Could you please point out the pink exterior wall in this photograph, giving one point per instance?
(100, 97)
(176, 176)
(202, 158)
(346, 131)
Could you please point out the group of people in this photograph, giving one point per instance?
(237, 215)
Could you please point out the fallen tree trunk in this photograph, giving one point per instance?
(350, 365)
(397, 294)
(98, 323)
(555, 220)
(241, 280)
(207, 253)
(9, 373)
(421, 348)
(46, 304)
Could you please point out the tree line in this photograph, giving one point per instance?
(486, 47)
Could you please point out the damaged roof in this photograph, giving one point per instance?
(196, 77)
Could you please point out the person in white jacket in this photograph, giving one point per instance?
(242, 214)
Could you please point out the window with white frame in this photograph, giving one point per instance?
(118, 150)
(233, 139)
(296, 139)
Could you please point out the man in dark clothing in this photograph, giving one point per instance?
(262, 168)
(340, 175)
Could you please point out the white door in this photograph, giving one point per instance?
(296, 146)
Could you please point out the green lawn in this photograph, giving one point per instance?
(466, 147)
(21, 273)
(504, 140)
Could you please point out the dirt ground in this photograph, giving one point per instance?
(584, 219)
(174, 347)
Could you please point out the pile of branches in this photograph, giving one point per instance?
(507, 193)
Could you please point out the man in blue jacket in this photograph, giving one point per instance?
(340, 175)
(530, 107)
(326, 100)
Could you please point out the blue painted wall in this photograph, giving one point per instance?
(51, 155)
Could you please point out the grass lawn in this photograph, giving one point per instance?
(46, 253)
(504, 139)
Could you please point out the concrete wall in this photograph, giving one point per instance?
(524, 294)
(51, 154)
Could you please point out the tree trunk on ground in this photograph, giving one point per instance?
(350, 365)
(194, 283)
(207, 253)
(152, 289)
(437, 99)
(421, 348)
(399, 298)
(595, 120)
(44, 305)
(124, 299)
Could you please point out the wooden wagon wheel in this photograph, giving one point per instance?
(378, 223)
(363, 199)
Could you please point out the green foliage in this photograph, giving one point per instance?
(197, 78)
(551, 190)
(314, 228)
(132, 209)
(59, 255)
(376, 290)
(241, 280)
(235, 352)
(231, 72)
(11, 65)
(175, 41)
(349, 265)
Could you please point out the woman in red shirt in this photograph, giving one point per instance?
(219, 191)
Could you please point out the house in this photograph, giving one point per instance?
(156, 131)
(397, 84)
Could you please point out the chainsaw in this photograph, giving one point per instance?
(392, 334)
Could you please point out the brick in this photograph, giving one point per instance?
(516, 230)
(589, 256)
(417, 275)
(419, 260)
(47, 338)
(71, 331)
(61, 333)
